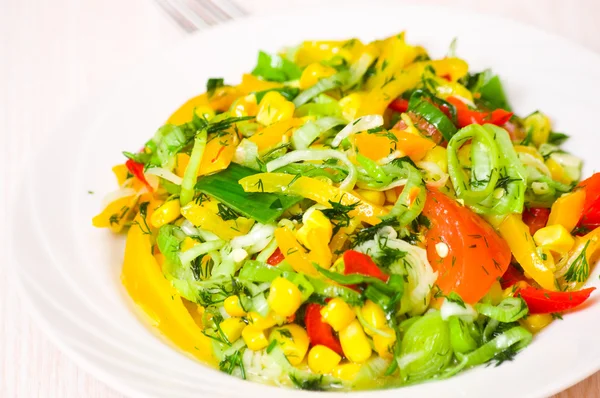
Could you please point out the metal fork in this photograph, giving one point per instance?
(193, 15)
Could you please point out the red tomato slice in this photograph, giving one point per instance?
(536, 218)
(476, 256)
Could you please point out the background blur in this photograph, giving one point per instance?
(56, 54)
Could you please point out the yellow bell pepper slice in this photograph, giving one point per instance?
(117, 213)
(205, 216)
(223, 97)
(218, 153)
(316, 51)
(147, 286)
(251, 83)
(293, 252)
(120, 171)
(516, 233)
(567, 209)
(273, 135)
(186, 111)
(313, 189)
(341, 236)
(377, 146)
(395, 55)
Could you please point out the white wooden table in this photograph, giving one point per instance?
(56, 53)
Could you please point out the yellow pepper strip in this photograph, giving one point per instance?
(181, 164)
(120, 171)
(315, 234)
(313, 189)
(143, 279)
(205, 216)
(567, 209)
(274, 134)
(186, 111)
(293, 252)
(223, 97)
(590, 243)
(557, 172)
(395, 55)
(218, 153)
(116, 214)
(251, 83)
(378, 146)
(516, 233)
(398, 82)
(316, 51)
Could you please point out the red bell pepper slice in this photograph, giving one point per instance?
(541, 301)
(359, 263)
(590, 216)
(466, 116)
(276, 257)
(319, 332)
(536, 218)
(399, 105)
(137, 169)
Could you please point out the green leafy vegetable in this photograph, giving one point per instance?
(212, 84)
(275, 68)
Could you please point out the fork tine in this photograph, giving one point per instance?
(233, 9)
(207, 12)
(177, 16)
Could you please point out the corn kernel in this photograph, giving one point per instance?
(168, 212)
(374, 316)
(274, 108)
(322, 359)
(313, 73)
(233, 306)
(232, 328)
(438, 155)
(355, 343)
(254, 338)
(350, 105)
(284, 297)
(384, 345)
(188, 243)
(555, 238)
(346, 371)
(244, 106)
(315, 234)
(374, 197)
(262, 322)
(536, 322)
(557, 171)
(293, 341)
(391, 196)
(337, 314)
(539, 125)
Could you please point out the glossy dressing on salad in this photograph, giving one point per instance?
(354, 216)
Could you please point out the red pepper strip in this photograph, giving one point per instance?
(466, 116)
(536, 218)
(359, 263)
(276, 257)
(319, 332)
(399, 105)
(137, 169)
(590, 216)
(510, 277)
(541, 301)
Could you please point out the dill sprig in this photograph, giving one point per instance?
(579, 270)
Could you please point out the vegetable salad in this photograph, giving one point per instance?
(354, 216)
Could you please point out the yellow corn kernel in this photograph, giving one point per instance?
(233, 306)
(188, 243)
(350, 105)
(181, 164)
(262, 322)
(555, 238)
(204, 112)
(274, 108)
(293, 341)
(438, 156)
(391, 196)
(536, 322)
(557, 171)
(313, 73)
(384, 345)
(244, 106)
(374, 316)
(322, 359)
(168, 212)
(232, 328)
(254, 338)
(346, 371)
(355, 343)
(375, 197)
(337, 314)
(120, 171)
(539, 125)
(315, 234)
(284, 297)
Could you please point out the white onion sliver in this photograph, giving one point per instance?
(166, 174)
(529, 160)
(257, 239)
(116, 195)
(361, 124)
(317, 154)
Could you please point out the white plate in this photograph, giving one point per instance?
(69, 271)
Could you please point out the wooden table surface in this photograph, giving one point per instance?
(54, 54)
